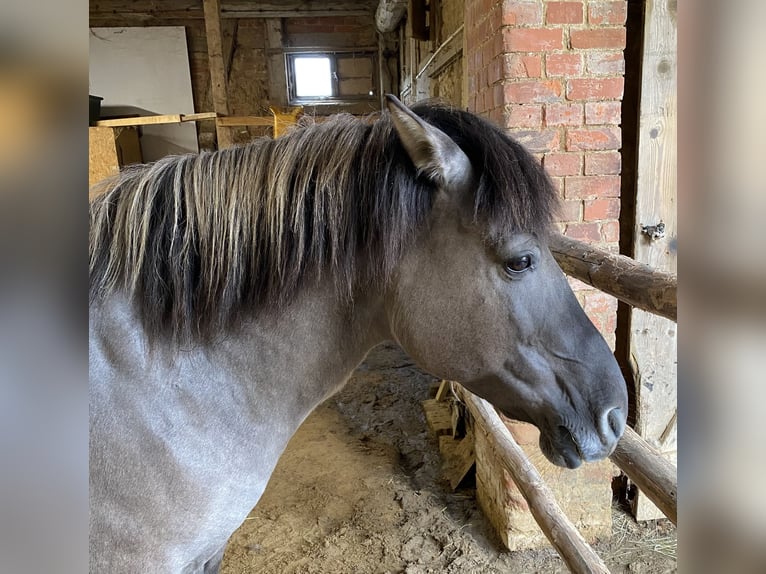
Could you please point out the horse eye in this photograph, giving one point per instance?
(519, 264)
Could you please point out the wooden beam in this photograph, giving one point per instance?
(276, 62)
(140, 121)
(574, 550)
(634, 283)
(212, 9)
(654, 475)
(198, 117)
(298, 9)
(238, 121)
(147, 10)
(445, 54)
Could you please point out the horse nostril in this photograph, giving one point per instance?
(615, 419)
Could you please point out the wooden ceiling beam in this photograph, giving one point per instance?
(193, 10)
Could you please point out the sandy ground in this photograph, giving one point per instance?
(360, 490)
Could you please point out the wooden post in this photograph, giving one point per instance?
(574, 550)
(276, 60)
(653, 340)
(654, 475)
(217, 66)
(630, 281)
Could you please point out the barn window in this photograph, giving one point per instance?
(331, 77)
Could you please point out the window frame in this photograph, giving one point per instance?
(334, 56)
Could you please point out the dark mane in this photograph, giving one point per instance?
(199, 241)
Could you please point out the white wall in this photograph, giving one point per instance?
(147, 69)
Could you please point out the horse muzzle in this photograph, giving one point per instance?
(569, 445)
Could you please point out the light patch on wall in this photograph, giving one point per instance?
(313, 76)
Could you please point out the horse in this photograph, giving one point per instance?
(233, 291)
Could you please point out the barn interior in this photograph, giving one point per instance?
(392, 474)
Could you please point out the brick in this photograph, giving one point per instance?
(603, 113)
(570, 211)
(522, 13)
(563, 114)
(591, 186)
(524, 116)
(607, 13)
(563, 64)
(599, 303)
(498, 96)
(533, 39)
(559, 164)
(610, 231)
(607, 163)
(605, 63)
(532, 91)
(496, 116)
(600, 209)
(564, 13)
(598, 38)
(576, 285)
(538, 140)
(594, 139)
(590, 232)
(595, 89)
(522, 66)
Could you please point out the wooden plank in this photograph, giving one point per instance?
(654, 475)
(148, 10)
(459, 458)
(276, 62)
(444, 390)
(235, 121)
(633, 282)
(444, 55)
(201, 116)
(140, 121)
(653, 340)
(102, 154)
(570, 544)
(438, 417)
(216, 63)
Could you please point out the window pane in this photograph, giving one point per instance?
(312, 77)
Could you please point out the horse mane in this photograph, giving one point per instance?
(200, 241)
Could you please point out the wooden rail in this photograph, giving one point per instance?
(654, 475)
(634, 283)
(580, 558)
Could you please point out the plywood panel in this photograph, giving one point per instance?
(654, 339)
(102, 154)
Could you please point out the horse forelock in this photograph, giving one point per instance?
(201, 242)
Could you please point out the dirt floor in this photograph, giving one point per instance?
(360, 490)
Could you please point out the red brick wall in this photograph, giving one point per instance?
(552, 73)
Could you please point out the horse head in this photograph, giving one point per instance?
(483, 303)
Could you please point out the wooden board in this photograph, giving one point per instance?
(276, 62)
(102, 154)
(141, 121)
(653, 340)
(212, 9)
(231, 121)
(438, 417)
(459, 458)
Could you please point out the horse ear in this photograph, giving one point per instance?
(432, 151)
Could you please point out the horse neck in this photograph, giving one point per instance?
(307, 351)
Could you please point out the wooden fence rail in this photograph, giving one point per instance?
(630, 281)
